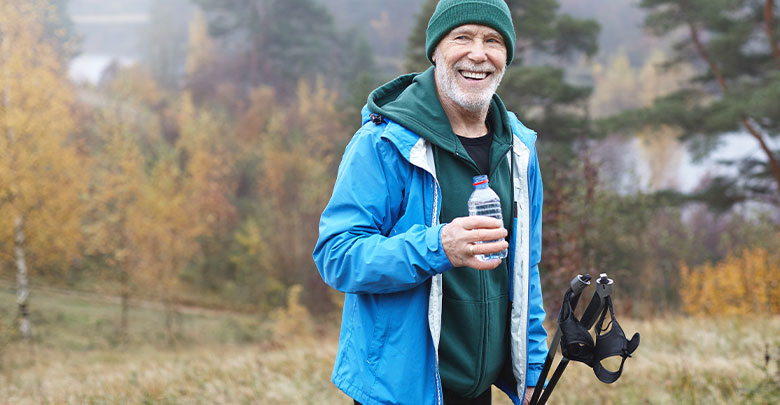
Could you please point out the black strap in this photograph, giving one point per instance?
(612, 343)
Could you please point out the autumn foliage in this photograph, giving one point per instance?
(744, 283)
(208, 189)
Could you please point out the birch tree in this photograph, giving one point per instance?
(41, 173)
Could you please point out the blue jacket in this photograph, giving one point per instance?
(380, 243)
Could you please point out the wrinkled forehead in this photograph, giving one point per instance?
(474, 29)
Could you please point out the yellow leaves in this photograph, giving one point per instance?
(208, 168)
(619, 86)
(294, 321)
(166, 235)
(42, 174)
(298, 148)
(135, 85)
(747, 283)
(289, 152)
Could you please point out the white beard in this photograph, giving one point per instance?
(446, 80)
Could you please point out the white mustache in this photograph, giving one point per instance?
(482, 67)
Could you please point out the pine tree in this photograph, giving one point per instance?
(416, 61)
(277, 41)
(734, 45)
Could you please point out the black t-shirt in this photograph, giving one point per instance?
(479, 150)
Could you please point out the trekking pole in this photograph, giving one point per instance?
(604, 288)
(576, 343)
(577, 285)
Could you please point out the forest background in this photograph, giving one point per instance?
(157, 220)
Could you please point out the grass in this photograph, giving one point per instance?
(686, 361)
(228, 358)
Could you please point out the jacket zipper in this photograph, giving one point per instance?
(434, 222)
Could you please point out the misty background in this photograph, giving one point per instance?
(163, 167)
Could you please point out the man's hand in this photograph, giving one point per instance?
(459, 239)
(529, 393)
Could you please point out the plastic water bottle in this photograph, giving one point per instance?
(484, 201)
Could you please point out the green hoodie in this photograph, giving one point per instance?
(474, 337)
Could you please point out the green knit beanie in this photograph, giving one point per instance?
(450, 14)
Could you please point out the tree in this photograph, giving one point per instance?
(117, 178)
(41, 171)
(165, 41)
(203, 61)
(275, 42)
(744, 283)
(734, 46)
(618, 87)
(169, 235)
(201, 47)
(125, 136)
(416, 60)
(210, 156)
(291, 158)
(536, 89)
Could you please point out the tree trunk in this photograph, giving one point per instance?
(22, 286)
(125, 304)
(170, 319)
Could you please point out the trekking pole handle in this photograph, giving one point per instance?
(579, 283)
(604, 285)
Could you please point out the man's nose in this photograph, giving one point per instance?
(477, 52)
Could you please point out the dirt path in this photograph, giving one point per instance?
(116, 300)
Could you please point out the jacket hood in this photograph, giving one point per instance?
(411, 101)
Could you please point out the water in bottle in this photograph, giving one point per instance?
(484, 201)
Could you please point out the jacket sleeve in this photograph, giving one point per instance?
(359, 250)
(537, 335)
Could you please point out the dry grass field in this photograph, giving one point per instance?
(239, 359)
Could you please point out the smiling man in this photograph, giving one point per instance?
(425, 321)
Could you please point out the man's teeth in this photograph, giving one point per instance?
(474, 75)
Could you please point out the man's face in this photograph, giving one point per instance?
(470, 62)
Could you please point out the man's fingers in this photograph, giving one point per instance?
(466, 237)
(488, 248)
(479, 221)
(485, 235)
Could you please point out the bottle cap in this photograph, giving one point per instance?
(481, 179)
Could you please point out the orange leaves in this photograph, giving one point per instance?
(254, 122)
(741, 284)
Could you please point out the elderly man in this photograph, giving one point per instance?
(425, 321)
